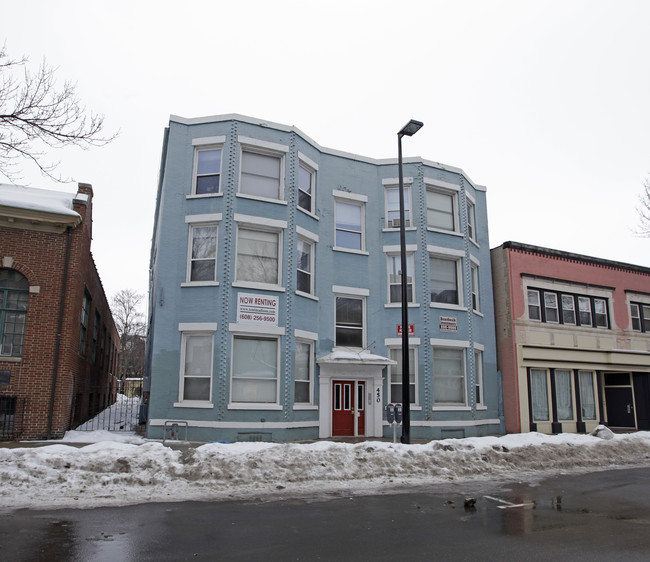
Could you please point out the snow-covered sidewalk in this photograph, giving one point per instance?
(134, 470)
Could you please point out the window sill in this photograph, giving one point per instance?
(399, 305)
(265, 199)
(305, 407)
(261, 286)
(474, 242)
(253, 406)
(444, 306)
(204, 405)
(478, 313)
(391, 229)
(308, 213)
(451, 409)
(307, 295)
(203, 195)
(200, 284)
(351, 251)
(10, 359)
(481, 408)
(443, 231)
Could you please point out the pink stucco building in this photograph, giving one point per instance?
(573, 340)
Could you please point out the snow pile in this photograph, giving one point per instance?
(118, 473)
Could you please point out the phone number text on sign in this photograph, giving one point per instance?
(257, 309)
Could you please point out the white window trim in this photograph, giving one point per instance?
(211, 217)
(457, 256)
(263, 333)
(409, 256)
(359, 294)
(307, 405)
(203, 146)
(261, 329)
(452, 344)
(265, 225)
(311, 166)
(190, 238)
(451, 190)
(341, 290)
(408, 204)
(416, 405)
(257, 146)
(474, 271)
(206, 142)
(471, 203)
(312, 264)
(194, 329)
(360, 201)
(479, 374)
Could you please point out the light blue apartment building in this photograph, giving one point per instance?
(275, 294)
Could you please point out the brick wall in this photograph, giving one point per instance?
(82, 387)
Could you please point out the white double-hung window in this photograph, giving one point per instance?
(394, 262)
(307, 169)
(206, 179)
(255, 368)
(445, 278)
(202, 249)
(349, 216)
(442, 206)
(350, 314)
(305, 260)
(197, 354)
(262, 169)
(258, 259)
(449, 375)
(392, 203)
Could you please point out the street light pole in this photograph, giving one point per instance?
(409, 129)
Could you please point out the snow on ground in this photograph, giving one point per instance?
(120, 416)
(121, 468)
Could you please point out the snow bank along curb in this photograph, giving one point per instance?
(110, 473)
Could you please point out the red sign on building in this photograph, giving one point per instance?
(411, 329)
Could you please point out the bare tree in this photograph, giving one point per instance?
(129, 320)
(130, 324)
(35, 114)
(643, 208)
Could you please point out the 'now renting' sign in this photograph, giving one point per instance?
(257, 309)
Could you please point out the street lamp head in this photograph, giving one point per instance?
(411, 128)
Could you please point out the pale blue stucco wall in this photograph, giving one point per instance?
(173, 303)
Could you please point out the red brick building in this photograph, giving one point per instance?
(58, 343)
(573, 340)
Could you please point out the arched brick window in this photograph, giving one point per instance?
(14, 298)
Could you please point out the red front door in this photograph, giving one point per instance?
(347, 405)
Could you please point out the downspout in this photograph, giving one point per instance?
(57, 349)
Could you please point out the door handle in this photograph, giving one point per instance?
(629, 408)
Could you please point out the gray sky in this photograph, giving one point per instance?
(547, 103)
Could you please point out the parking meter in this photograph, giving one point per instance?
(398, 413)
(390, 413)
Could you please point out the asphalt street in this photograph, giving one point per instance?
(594, 516)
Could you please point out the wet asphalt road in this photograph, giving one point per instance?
(594, 516)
